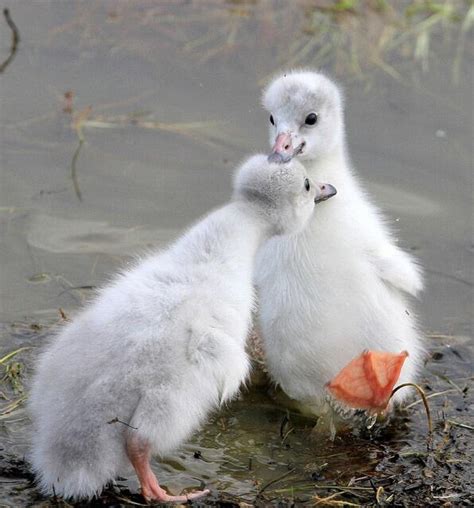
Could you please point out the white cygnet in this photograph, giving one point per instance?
(341, 287)
(161, 346)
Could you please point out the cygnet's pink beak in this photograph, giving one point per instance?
(282, 150)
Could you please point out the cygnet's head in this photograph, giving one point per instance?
(305, 116)
(281, 193)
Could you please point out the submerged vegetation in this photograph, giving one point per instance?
(349, 37)
(11, 384)
(12, 391)
(14, 40)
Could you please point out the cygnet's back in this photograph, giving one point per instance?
(141, 367)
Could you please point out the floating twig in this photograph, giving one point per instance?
(430, 396)
(272, 482)
(78, 123)
(116, 420)
(15, 40)
(7, 410)
(420, 390)
(75, 183)
(450, 381)
(331, 501)
(63, 314)
(459, 424)
(10, 355)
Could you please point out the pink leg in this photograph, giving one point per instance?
(138, 452)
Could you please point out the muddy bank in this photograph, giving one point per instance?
(256, 452)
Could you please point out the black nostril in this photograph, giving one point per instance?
(287, 146)
(323, 187)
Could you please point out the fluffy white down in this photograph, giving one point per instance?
(342, 285)
(162, 345)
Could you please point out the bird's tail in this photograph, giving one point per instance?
(73, 473)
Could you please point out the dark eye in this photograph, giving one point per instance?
(307, 186)
(311, 119)
(271, 120)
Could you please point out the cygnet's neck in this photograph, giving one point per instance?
(333, 167)
(250, 224)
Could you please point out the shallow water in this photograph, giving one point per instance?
(173, 90)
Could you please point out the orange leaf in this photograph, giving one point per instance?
(367, 381)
